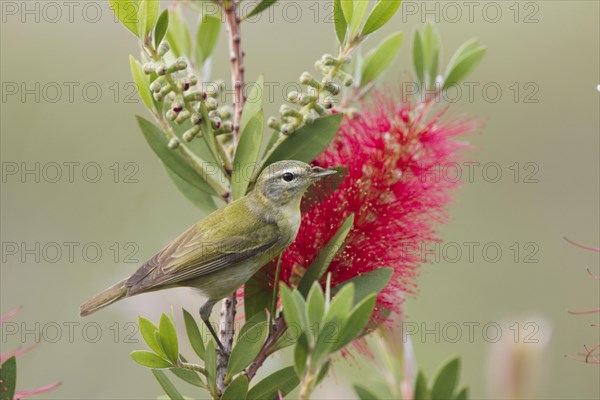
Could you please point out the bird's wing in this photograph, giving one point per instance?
(206, 247)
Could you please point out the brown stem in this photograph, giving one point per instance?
(237, 62)
(226, 332)
(268, 347)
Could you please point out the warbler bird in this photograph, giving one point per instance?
(221, 252)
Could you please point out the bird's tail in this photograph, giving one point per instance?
(104, 298)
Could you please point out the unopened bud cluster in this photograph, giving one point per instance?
(317, 99)
(173, 85)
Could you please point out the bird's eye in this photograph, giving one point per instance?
(288, 176)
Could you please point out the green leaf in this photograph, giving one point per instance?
(262, 6)
(379, 59)
(172, 159)
(341, 26)
(463, 394)
(315, 306)
(257, 294)
(301, 355)
(323, 372)
(367, 283)
(194, 335)
(150, 360)
(167, 385)
(356, 323)
(237, 389)
(246, 155)
(431, 51)
(347, 9)
(464, 66)
(168, 338)
(210, 365)
(334, 322)
(360, 9)
(383, 11)
(189, 376)
(320, 264)
(292, 311)
(141, 82)
(8, 378)
(464, 49)
(307, 142)
(284, 380)
(202, 200)
(363, 392)
(148, 330)
(147, 16)
(178, 34)
(254, 320)
(128, 12)
(254, 102)
(418, 57)
(207, 37)
(162, 25)
(207, 132)
(246, 349)
(421, 391)
(446, 380)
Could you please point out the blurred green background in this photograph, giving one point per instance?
(544, 56)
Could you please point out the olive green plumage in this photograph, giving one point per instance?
(221, 252)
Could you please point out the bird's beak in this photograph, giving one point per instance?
(318, 173)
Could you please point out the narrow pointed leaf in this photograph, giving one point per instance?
(141, 82)
(162, 25)
(150, 360)
(168, 338)
(421, 390)
(237, 389)
(291, 312)
(307, 142)
(246, 155)
(463, 394)
(8, 378)
(172, 159)
(301, 355)
(360, 9)
(446, 380)
(318, 267)
(347, 9)
(202, 200)
(315, 306)
(356, 322)
(207, 37)
(148, 331)
(167, 385)
(464, 66)
(247, 348)
(379, 59)
(147, 16)
(383, 11)
(284, 380)
(127, 11)
(189, 376)
(210, 365)
(341, 26)
(367, 283)
(262, 6)
(178, 34)
(417, 56)
(194, 335)
(364, 393)
(254, 102)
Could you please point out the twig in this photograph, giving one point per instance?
(237, 63)
(268, 348)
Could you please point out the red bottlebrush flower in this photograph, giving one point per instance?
(394, 153)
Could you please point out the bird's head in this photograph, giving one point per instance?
(285, 181)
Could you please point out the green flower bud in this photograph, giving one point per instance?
(194, 96)
(319, 66)
(215, 122)
(163, 48)
(329, 60)
(171, 115)
(224, 111)
(149, 68)
(293, 96)
(309, 119)
(211, 104)
(327, 102)
(273, 123)
(227, 127)
(191, 133)
(193, 79)
(183, 115)
(306, 99)
(173, 143)
(347, 81)
(319, 109)
(196, 119)
(290, 112)
(308, 79)
(332, 87)
(161, 69)
(287, 129)
(155, 86)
